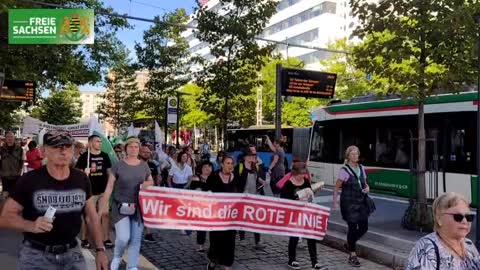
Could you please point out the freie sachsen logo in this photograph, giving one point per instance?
(51, 26)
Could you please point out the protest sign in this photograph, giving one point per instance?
(166, 208)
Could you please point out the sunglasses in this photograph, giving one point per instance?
(460, 217)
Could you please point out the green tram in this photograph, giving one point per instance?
(386, 133)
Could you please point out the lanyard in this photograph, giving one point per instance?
(358, 174)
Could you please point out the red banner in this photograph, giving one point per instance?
(166, 208)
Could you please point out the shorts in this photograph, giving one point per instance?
(8, 183)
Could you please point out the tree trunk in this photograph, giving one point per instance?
(225, 123)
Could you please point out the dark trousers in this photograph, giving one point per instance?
(222, 247)
(256, 235)
(201, 237)
(292, 249)
(355, 231)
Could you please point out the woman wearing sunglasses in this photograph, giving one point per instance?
(447, 247)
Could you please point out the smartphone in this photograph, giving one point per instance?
(50, 213)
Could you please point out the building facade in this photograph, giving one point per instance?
(305, 22)
(90, 102)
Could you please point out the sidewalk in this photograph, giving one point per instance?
(386, 241)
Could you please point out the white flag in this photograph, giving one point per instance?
(132, 131)
(158, 137)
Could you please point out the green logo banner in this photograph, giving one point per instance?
(50, 26)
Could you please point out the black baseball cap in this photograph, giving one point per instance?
(57, 137)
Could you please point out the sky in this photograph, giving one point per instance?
(145, 9)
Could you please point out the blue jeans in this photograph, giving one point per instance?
(30, 258)
(128, 232)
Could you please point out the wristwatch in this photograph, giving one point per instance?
(100, 249)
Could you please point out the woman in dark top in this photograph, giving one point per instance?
(352, 180)
(198, 183)
(298, 188)
(222, 243)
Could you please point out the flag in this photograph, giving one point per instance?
(96, 129)
(132, 131)
(158, 137)
(39, 138)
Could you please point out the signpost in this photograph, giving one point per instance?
(17, 90)
(172, 110)
(308, 83)
(301, 83)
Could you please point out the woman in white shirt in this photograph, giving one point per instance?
(180, 176)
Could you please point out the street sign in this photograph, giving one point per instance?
(17, 90)
(307, 83)
(51, 26)
(172, 110)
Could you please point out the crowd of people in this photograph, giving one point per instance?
(91, 194)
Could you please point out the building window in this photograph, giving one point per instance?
(314, 57)
(286, 3)
(325, 7)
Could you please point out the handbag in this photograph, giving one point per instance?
(370, 204)
(127, 209)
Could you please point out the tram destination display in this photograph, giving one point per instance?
(17, 90)
(308, 83)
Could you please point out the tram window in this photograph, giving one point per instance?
(460, 156)
(324, 144)
(392, 148)
(363, 138)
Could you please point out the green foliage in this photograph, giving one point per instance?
(233, 72)
(62, 107)
(52, 66)
(9, 115)
(121, 100)
(417, 47)
(165, 55)
(351, 81)
(192, 114)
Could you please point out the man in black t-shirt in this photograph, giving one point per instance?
(146, 155)
(50, 236)
(97, 169)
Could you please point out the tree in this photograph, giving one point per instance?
(295, 110)
(192, 114)
(417, 47)
(165, 55)
(351, 81)
(121, 100)
(237, 57)
(50, 66)
(62, 107)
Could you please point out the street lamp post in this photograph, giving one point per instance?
(477, 232)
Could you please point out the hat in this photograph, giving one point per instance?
(57, 137)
